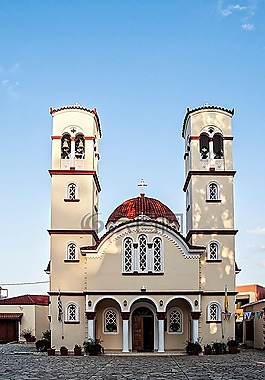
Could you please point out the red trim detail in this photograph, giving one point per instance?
(125, 316)
(14, 316)
(72, 200)
(206, 173)
(72, 171)
(90, 138)
(90, 314)
(56, 137)
(195, 314)
(161, 315)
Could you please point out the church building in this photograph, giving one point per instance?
(143, 285)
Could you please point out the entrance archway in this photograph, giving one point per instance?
(143, 329)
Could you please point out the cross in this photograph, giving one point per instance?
(73, 130)
(142, 184)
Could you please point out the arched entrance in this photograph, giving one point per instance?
(143, 329)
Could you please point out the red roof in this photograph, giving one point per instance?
(11, 315)
(27, 299)
(134, 207)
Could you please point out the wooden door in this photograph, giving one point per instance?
(138, 336)
(8, 331)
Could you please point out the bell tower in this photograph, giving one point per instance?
(209, 188)
(74, 205)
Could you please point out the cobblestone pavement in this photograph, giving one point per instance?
(22, 362)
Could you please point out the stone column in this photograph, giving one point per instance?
(91, 324)
(161, 334)
(195, 315)
(125, 331)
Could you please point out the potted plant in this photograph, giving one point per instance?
(208, 349)
(174, 327)
(111, 327)
(77, 350)
(232, 345)
(93, 347)
(51, 351)
(219, 348)
(63, 351)
(44, 343)
(193, 348)
(28, 334)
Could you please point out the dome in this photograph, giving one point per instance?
(142, 205)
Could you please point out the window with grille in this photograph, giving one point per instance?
(128, 255)
(110, 321)
(213, 251)
(214, 312)
(213, 193)
(142, 254)
(72, 191)
(175, 321)
(72, 313)
(71, 251)
(157, 255)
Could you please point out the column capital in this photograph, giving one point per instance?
(161, 315)
(90, 314)
(125, 315)
(195, 314)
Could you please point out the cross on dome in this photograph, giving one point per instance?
(142, 184)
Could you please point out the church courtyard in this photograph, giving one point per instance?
(23, 362)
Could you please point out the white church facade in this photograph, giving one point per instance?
(142, 286)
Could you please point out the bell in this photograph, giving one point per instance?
(81, 144)
(65, 144)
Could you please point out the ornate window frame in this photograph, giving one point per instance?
(213, 248)
(72, 256)
(161, 256)
(175, 320)
(213, 192)
(71, 313)
(127, 255)
(214, 312)
(110, 321)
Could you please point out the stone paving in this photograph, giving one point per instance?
(22, 362)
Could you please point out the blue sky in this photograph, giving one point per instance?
(141, 63)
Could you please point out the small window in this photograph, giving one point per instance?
(142, 258)
(213, 251)
(213, 192)
(66, 146)
(110, 321)
(72, 191)
(157, 254)
(72, 312)
(204, 146)
(218, 149)
(214, 312)
(71, 251)
(80, 147)
(175, 321)
(128, 255)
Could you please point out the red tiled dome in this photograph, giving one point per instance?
(142, 206)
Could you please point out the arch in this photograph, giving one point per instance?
(218, 146)
(213, 191)
(213, 250)
(189, 302)
(142, 253)
(127, 255)
(175, 321)
(158, 257)
(72, 190)
(214, 312)
(66, 146)
(79, 146)
(204, 145)
(71, 251)
(110, 321)
(104, 298)
(71, 312)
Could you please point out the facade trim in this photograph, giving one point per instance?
(210, 232)
(72, 171)
(206, 173)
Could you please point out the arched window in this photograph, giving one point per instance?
(142, 253)
(157, 254)
(72, 312)
(66, 146)
(214, 312)
(72, 191)
(213, 251)
(204, 146)
(218, 148)
(79, 147)
(175, 321)
(110, 321)
(71, 251)
(213, 191)
(128, 255)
